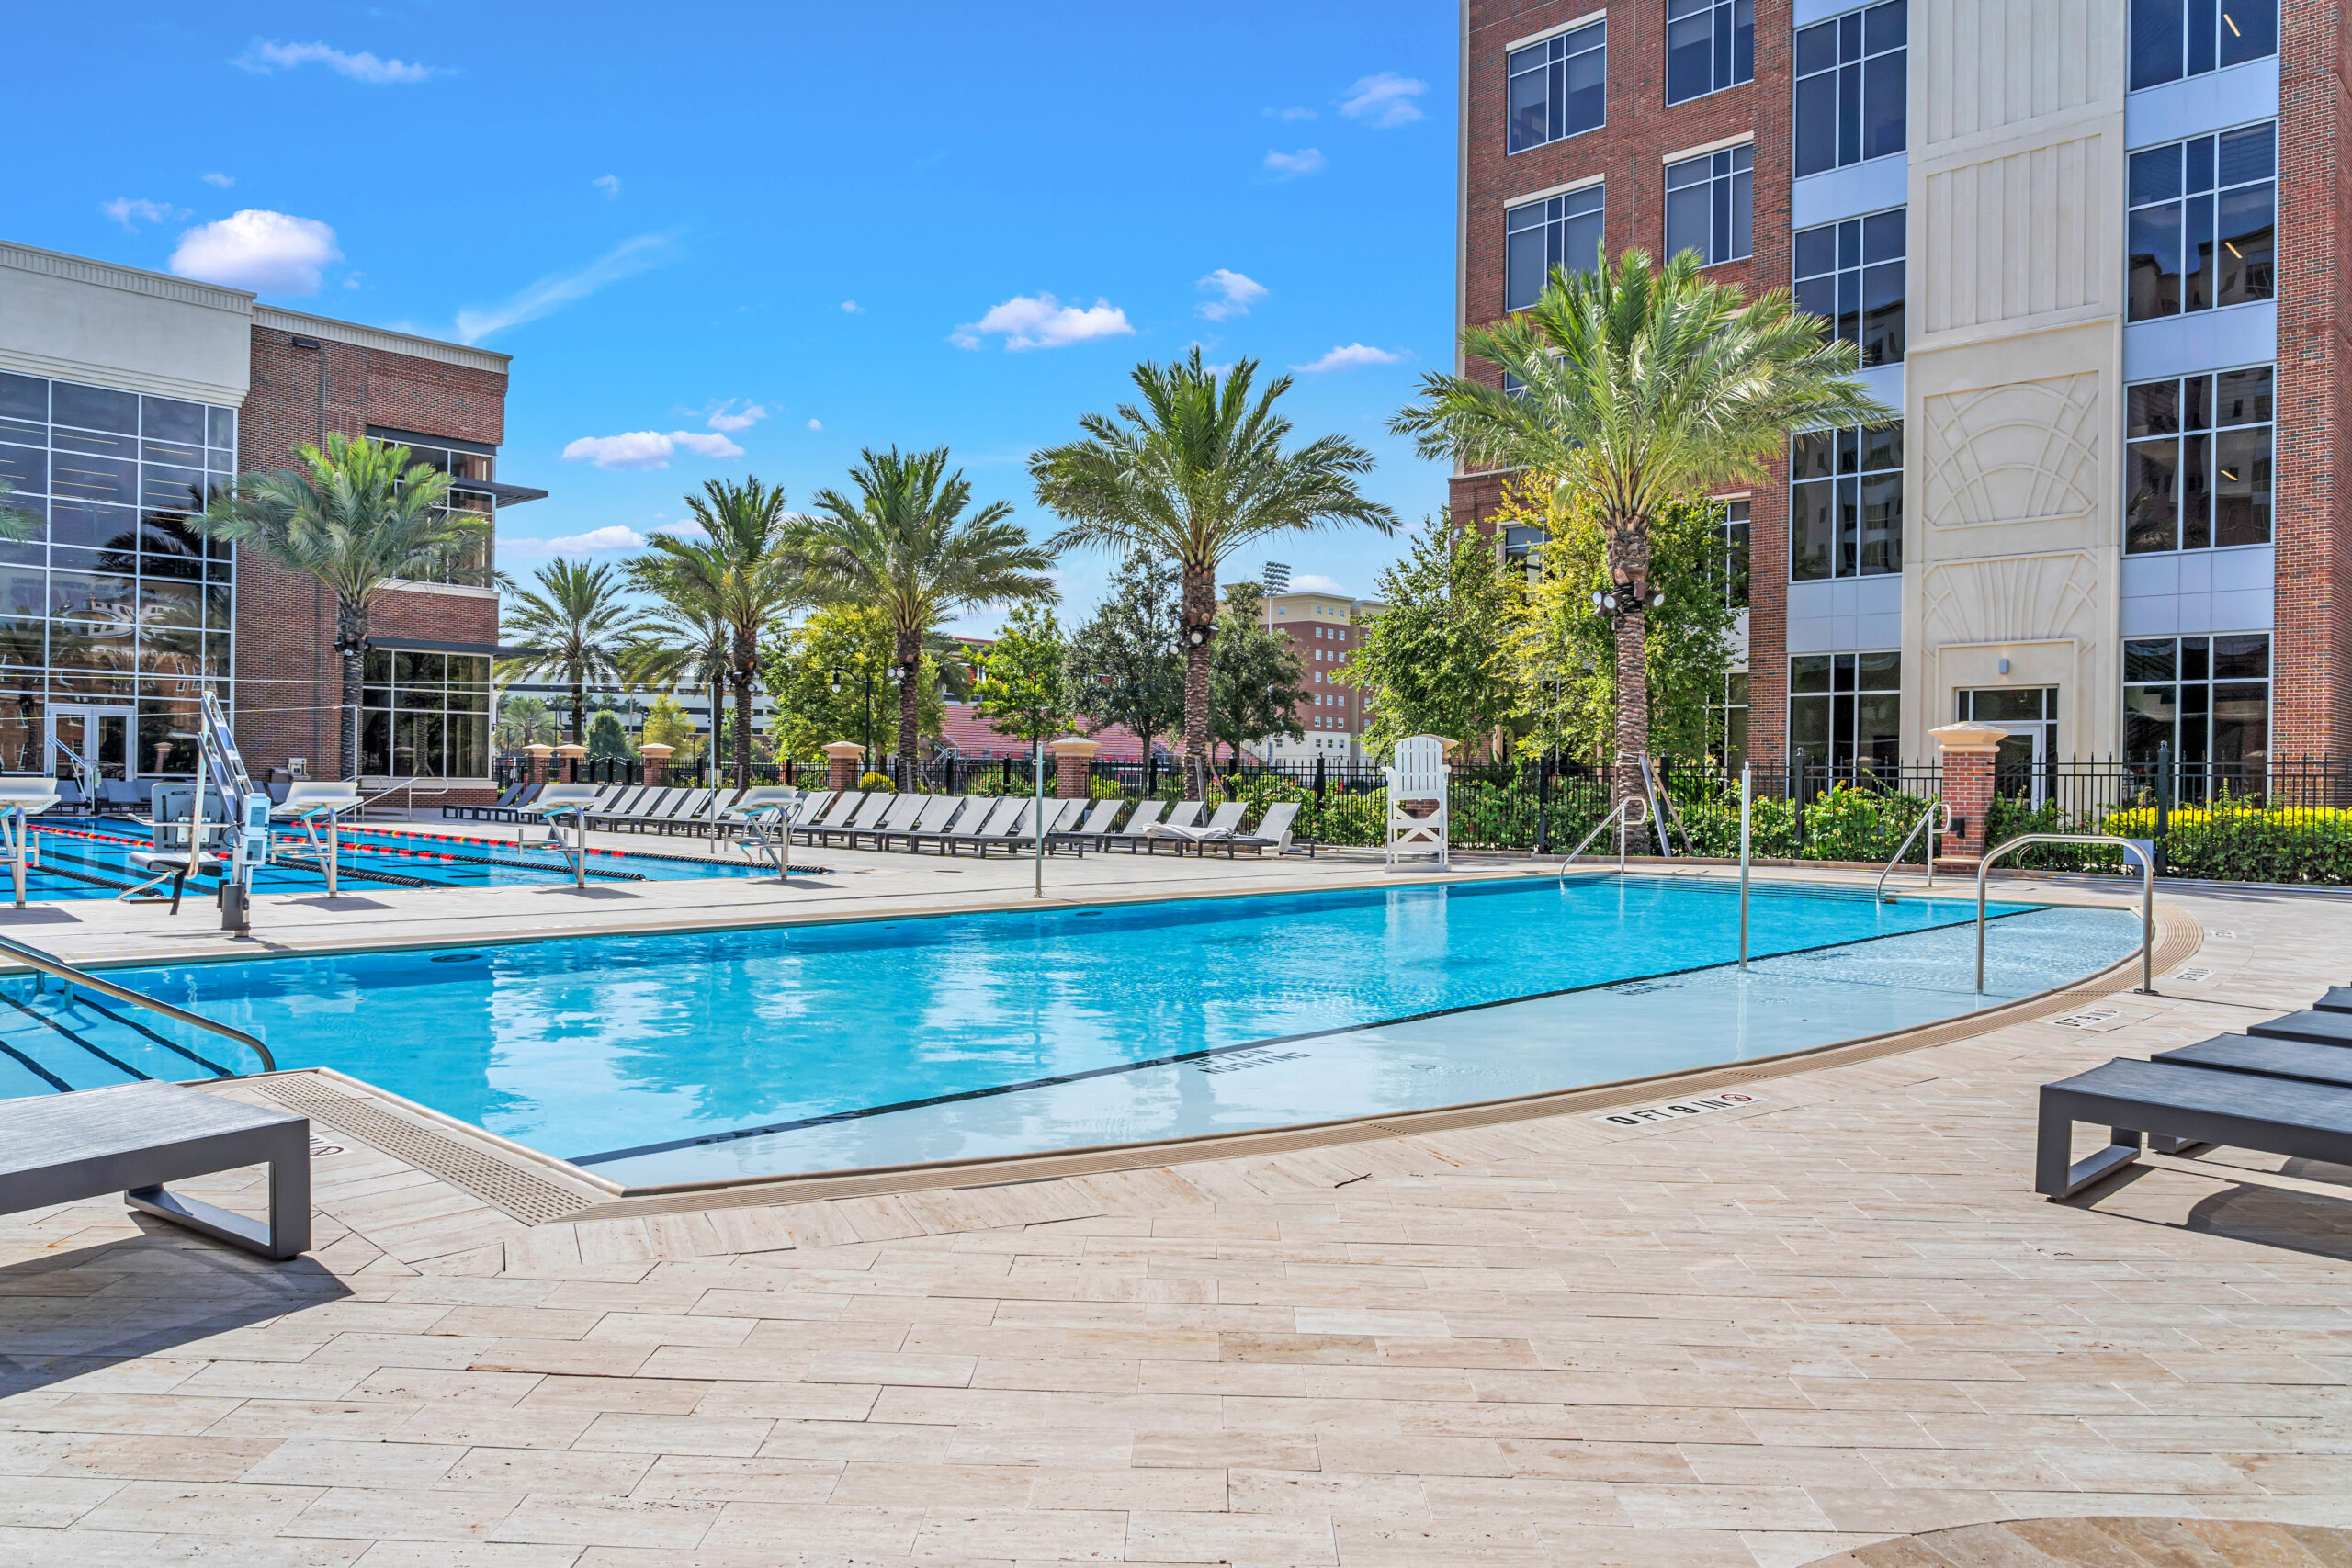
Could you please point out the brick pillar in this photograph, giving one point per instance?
(656, 761)
(1073, 765)
(840, 764)
(1968, 750)
(571, 755)
(540, 755)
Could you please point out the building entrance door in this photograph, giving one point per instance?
(2023, 769)
(92, 744)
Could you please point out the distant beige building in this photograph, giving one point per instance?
(1327, 629)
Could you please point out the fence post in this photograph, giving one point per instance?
(1796, 796)
(2164, 803)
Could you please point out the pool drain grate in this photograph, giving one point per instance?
(510, 1187)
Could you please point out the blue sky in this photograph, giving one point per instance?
(755, 239)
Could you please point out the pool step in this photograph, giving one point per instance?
(53, 1041)
(1854, 895)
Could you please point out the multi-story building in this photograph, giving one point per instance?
(1327, 629)
(127, 399)
(2052, 232)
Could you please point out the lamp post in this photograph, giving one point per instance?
(900, 676)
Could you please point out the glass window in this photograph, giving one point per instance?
(2173, 38)
(1850, 87)
(2206, 697)
(1710, 45)
(2197, 462)
(1728, 722)
(2203, 223)
(1846, 709)
(1733, 529)
(470, 561)
(1557, 87)
(1562, 231)
(424, 714)
(1850, 275)
(1709, 203)
(1845, 504)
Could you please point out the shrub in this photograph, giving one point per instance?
(870, 782)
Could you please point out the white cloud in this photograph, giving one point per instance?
(1313, 582)
(614, 536)
(813, 424)
(1289, 115)
(131, 211)
(1235, 294)
(1351, 356)
(729, 418)
(852, 307)
(1385, 100)
(265, 55)
(223, 181)
(553, 293)
(1290, 165)
(609, 184)
(1040, 320)
(706, 446)
(647, 448)
(269, 252)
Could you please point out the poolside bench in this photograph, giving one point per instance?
(2187, 1104)
(2339, 1000)
(2317, 1027)
(132, 1138)
(2271, 1058)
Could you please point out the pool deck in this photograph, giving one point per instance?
(1759, 1337)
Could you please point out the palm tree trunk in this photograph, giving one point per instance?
(745, 666)
(1629, 562)
(1200, 609)
(910, 652)
(350, 643)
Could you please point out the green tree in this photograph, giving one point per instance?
(1194, 472)
(356, 515)
(741, 578)
(906, 546)
(1434, 661)
(16, 524)
(667, 724)
(1023, 686)
(525, 721)
(607, 736)
(1255, 679)
(579, 626)
(829, 680)
(1125, 667)
(1641, 388)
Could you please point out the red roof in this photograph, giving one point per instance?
(975, 737)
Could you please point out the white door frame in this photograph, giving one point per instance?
(82, 717)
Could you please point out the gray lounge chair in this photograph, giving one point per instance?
(132, 1138)
(2319, 1028)
(2186, 1105)
(1139, 825)
(1058, 815)
(1227, 818)
(868, 815)
(1272, 832)
(976, 828)
(1097, 824)
(843, 806)
(937, 811)
(507, 798)
(899, 817)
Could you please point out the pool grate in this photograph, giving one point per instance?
(510, 1188)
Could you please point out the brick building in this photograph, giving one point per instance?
(1325, 629)
(2052, 231)
(126, 398)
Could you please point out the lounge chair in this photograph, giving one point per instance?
(2273, 1058)
(510, 798)
(132, 1138)
(690, 808)
(314, 797)
(2319, 1028)
(1059, 815)
(69, 799)
(867, 816)
(1097, 825)
(2186, 1105)
(1272, 832)
(843, 807)
(938, 811)
(557, 805)
(1139, 824)
(986, 818)
(2338, 998)
(119, 796)
(899, 817)
(633, 809)
(1221, 825)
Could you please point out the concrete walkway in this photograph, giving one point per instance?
(1755, 1337)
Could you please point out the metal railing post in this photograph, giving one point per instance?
(1747, 796)
(2144, 850)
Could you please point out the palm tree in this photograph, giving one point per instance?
(905, 547)
(678, 646)
(358, 516)
(578, 627)
(1641, 387)
(742, 575)
(525, 721)
(1194, 472)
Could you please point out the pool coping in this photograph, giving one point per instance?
(540, 1188)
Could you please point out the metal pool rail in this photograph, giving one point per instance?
(2145, 848)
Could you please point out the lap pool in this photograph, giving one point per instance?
(716, 1056)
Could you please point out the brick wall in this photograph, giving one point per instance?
(287, 679)
(2311, 646)
(1631, 151)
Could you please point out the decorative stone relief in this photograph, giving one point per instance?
(2012, 599)
(2021, 452)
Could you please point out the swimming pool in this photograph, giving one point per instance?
(711, 1057)
(90, 859)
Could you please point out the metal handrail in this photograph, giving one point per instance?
(1616, 818)
(2145, 848)
(48, 964)
(409, 788)
(1877, 893)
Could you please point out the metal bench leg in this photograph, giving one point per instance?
(288, 1234)
(2056, 1173)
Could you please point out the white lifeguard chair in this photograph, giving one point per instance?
(1417, 798)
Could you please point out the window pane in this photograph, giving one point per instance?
(2155, 262)
(2249, 30)
(1850, 526)
(2246, 221)
(2149, 715)
(1581, 242)
(2242, 487)
(1522, 269)
(1812, 529)
(1883, 108)
(95, 408)
(1809, 672)
(2241, 725)
(1530, 111)
(2149, 659)
(2243, 397)
(1883, 26)
(2196, 492)
(1813, 455)
(1743, 214)
(1881, 524)
(1586, 86)
(1817, 249)
(1882, 314)
(1689, 57)
(2150, 515)
(2242, 658)
(2245, 155)
(1816, 112)
(2155, 174)
(2155, 42)
(2154, 408)
(1686, 219)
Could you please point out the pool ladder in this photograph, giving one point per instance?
(1940, 815)
(1620, 818)
(48, 964)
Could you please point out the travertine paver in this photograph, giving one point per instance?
(1761, 1338)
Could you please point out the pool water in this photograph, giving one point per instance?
(91, 860)
(711, 1056)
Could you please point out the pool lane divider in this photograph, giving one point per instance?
(350, 845)
(1205, 1052)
